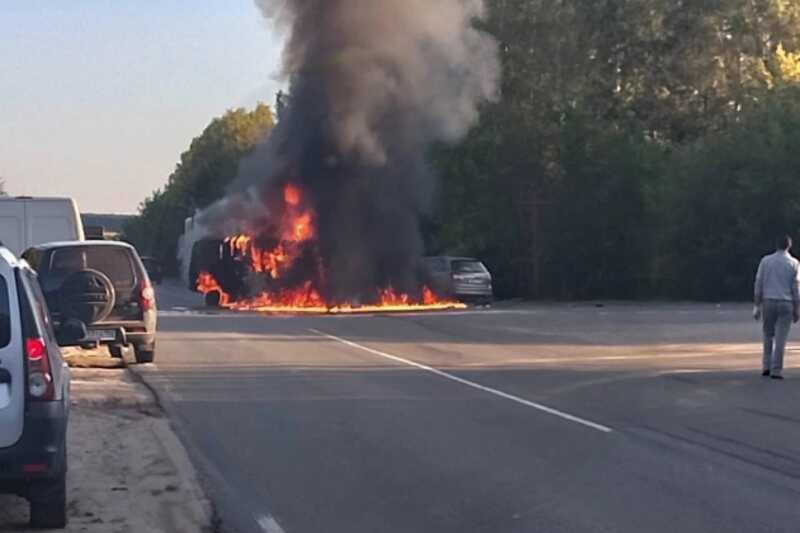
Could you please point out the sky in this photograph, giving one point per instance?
(99, 98)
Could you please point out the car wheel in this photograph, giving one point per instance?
(48, 501)
(143, 355)
(116, 350)
(213, 299)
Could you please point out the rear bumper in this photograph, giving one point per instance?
(472, 291)
(139, 333)
(146, 340)
(42, 444)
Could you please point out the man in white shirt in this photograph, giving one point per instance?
(777, 299)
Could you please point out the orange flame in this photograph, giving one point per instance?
(292, 195)
(297, 228)
(307, 300)
(207, 284)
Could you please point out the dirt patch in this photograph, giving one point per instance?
(91, 358)
(128, 472)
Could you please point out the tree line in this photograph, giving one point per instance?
(199, 179)
(640, 149)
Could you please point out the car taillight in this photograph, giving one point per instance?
(40, 380)
(147, 297)
(35, 348)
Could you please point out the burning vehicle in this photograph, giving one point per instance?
(324, 214)
(282, 271)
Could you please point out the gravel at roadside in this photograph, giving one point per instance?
(128, 472)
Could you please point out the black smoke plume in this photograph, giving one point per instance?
(373, 84)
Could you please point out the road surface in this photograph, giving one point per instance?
(523, 419)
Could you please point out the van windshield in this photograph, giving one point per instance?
(5, 315)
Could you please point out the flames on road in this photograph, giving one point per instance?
(283, 273)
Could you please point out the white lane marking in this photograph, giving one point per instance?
(474, 385)
(176, 312)
(268, 524)
(611, 358)
(197, 314)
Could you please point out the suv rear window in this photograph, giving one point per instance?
(111, 261)
(5, 315)
(468, 267)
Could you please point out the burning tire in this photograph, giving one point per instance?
(213, 299)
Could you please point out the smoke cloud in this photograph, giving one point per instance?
(373, 84)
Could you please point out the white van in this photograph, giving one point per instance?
(26, 221)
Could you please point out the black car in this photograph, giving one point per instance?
(34, 395)
(103, 284)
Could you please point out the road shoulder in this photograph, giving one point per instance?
(127, 469)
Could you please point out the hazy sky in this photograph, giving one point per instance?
(99, 98)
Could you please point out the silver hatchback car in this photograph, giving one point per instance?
(464, 278)
(34, 396)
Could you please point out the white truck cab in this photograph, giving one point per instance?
(26, 221)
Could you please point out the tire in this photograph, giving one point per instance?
(48, 503)
(116, 350)
(213, 299)
(143, 355)
(87, 295)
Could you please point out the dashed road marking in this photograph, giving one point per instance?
(268, 524)
(474, 385)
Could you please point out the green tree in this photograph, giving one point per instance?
(200, 178)
(562, 186)
(732, 194)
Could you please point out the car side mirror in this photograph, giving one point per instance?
(71, 333)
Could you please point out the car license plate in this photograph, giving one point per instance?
(99, 335)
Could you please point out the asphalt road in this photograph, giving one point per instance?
(521, 419)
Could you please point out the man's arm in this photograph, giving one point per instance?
(758, 292)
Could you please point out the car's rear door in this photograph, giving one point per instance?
(42, 327)
(12, 363)
(115, 262)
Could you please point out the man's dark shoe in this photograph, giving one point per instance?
(765, 373)
(777, 376)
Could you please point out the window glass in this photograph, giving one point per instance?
(113, 262)
(468, 267)
(38, 303)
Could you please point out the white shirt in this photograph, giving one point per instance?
(778, 278)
